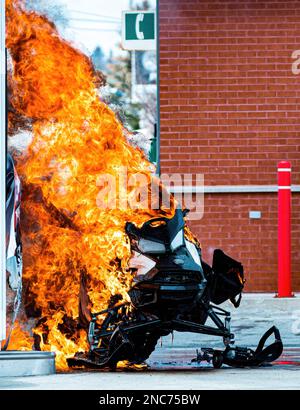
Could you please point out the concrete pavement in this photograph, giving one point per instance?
(170, 365)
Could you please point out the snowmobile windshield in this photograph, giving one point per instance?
(159, 235)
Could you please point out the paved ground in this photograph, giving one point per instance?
(170, 365)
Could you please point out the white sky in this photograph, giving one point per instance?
(104, 31)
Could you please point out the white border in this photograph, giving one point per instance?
(2, 173)
(138, 44)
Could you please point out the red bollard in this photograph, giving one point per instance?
(284, 230)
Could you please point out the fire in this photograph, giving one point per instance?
(19, 333)
(75, 254)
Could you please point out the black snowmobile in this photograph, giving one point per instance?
(173, 290)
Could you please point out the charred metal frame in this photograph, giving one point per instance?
(232, 355)
(95, 334)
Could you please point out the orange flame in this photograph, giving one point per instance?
(74, 252)
(19, 334)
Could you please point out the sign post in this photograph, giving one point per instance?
(2, 173)
(284, 230)
(139, 30)
(139, 33)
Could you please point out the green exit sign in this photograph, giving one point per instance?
(139, 30)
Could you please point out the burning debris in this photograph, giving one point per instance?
(139, 267)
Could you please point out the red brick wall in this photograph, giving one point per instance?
(230, 110)
(226, 225)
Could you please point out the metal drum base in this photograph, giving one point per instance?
(15, 363)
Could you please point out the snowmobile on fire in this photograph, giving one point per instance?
(173, 290)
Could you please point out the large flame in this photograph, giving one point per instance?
(73, 250)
